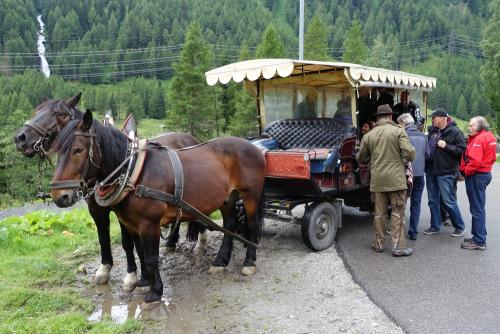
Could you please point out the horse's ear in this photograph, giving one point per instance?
(130, 127)
(87, 120)
(72, 102)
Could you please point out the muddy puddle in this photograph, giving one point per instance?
(184, 287)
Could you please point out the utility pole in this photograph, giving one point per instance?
(301, 30)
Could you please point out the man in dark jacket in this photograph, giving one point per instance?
(419, 142)
(407, 106)
(446, 144)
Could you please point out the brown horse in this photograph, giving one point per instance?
(216, 173)
(36, 137)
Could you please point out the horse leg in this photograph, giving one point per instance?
(150, 240)
(229, 222)
(173, 237)
(142, 286)
(252, 208)
(101, 220)
(130, 280)
(196, 231)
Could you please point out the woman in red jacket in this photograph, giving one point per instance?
(475, 165)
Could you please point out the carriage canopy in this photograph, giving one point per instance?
(295, 89)
(357, 75)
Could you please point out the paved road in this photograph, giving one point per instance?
(441, 288)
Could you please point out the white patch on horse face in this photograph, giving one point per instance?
(102, 274)
(130, 281)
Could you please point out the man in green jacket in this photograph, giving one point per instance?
(386, 147)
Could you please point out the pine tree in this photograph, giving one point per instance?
(461, 108)
(244, 122)
(355, 49)
(316, 40)
(491, 68)
(190, 99)
(378, 56)
(271, 45)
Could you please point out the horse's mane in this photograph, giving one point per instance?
(112, 143)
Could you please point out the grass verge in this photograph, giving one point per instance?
(39, 290)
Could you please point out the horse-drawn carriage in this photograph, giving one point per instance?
(309, 160)
(309, 123)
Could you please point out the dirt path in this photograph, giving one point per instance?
(293, 291)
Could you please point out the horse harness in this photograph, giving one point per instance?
(176, 198)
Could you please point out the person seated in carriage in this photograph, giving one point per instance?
(308, 107)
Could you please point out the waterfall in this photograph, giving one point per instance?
(41, 47)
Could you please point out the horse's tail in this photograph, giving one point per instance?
(193, 230)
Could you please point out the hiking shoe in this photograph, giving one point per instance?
(458, 232)
(472, 245)
(411, 236)
(431, 230)
(378, 250)
(397, 252)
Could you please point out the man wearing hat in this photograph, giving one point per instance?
(446, 144)
(386, 147)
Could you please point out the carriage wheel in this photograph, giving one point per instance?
(319, 226)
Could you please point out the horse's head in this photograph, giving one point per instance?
(78, 161)
(37, 134)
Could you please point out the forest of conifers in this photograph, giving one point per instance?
(134, 56)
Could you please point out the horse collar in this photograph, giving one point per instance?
(113, 193)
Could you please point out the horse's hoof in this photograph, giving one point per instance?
(102, 274)
(150, 305)
(141, 290)
(248, 271)
(215, 270)
(130, 281)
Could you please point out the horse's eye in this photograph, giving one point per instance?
(78, 149)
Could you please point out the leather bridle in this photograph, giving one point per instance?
(81, 186)
(45, 134)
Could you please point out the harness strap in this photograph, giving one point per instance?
(145, 192)
(41, 131)
(178, 176)
(68, 184)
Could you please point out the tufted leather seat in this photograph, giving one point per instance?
(309, 133)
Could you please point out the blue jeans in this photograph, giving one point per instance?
(415, 200)
(476, 192)
(441, 187)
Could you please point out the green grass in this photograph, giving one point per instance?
(39, 289)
